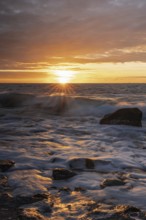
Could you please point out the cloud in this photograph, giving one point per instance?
(35, 31)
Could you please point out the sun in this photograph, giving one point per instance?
(63, 81)
(63, 76)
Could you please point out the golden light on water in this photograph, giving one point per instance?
(64, 76)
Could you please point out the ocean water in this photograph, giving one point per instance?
(45, 126)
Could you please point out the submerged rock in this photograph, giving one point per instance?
(112, 182)
(125, 116)
(81, 163)
(61, 174)
(6, 164)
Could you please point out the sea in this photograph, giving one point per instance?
(49, 126)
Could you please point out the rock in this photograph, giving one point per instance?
(30, 214)
(7, 199)
(112, 182)
(81, 163)
(126, 209)
(79, 189)
(62, 174)
(56, 160)
(3, 180)
(125, 116)
(89, 163)
(129, 212)
(22, 200)
(64, 189)
(6, 164)
(110, 212)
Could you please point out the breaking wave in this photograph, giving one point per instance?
(63, 105)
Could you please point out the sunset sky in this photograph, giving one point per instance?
(88, 41)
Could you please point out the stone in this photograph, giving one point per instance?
(23, 200)
(79, 189)
(111, 212)
(126, 209)
(30, 214)
(112, 182)
(125, 116)
(6, 165)
(89, 163)
(62, 174)
(3, 180)
(65, 189)
(81, 163)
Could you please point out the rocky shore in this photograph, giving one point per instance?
(63, 201)
(42, 206)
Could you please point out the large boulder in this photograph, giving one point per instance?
(125, 116)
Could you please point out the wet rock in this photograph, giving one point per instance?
(56, 160)
(8, 213)
(81, 163)
(126, 209)
(65, 189)
(125, 116)
(79, 189)
(120, 212)
(89, 163)
(30, 214)
(112, 182)
(6, 199)
(36, 211)
(130, 212)
(22, 200)
(6, 164)
(3, 180)
(8, 208)
(61, 174)
(51, 153)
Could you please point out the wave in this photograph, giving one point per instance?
(14, 100)
(57, 104)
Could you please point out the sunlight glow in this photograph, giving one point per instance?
(64, 76)
(63, 80)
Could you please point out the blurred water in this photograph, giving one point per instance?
(39, 140)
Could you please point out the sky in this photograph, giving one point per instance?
(78, 41)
